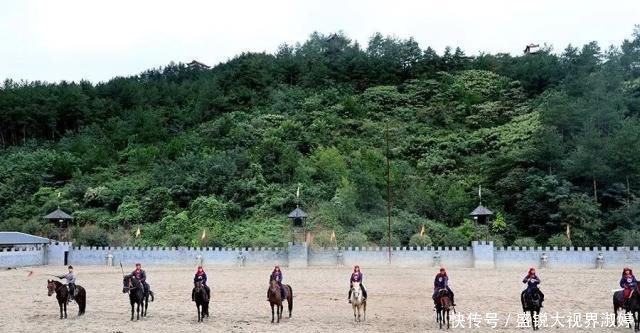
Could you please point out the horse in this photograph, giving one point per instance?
(137, 295)
(358, 302)
(62, 295)
(202, 300)
(531, 302)
(275, 298)
(632, 305)
(443, 306)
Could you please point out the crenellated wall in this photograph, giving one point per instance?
(479, 255)
(22, 256)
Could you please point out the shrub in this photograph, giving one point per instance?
(525, 242)
(323, 239)
(559, 240)
(420, 240)
(356, 239)
(91, 235)
(455, 238)
(395, 241)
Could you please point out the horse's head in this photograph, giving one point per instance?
(198, 286)
(355, 289)
(443, 292)
(51, 287)
(274, 290)
(273, 284)
(126, 284)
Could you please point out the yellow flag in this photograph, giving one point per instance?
(138, 232)
(203, 234)
(422, 231)
(333, 235)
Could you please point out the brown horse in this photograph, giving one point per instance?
(275, 298)
(202, 300)
(62, 295)
(443, 306)
(137, 295)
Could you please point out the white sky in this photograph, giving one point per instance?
(54, 40)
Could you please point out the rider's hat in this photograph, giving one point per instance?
(138, 264)
(70, 267)
(442, 269)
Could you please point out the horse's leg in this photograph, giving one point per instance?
(132, 305)
(448, 323)
(65, 309)
(355, 315)
(60, 304)
(272, 313)
(146, 305)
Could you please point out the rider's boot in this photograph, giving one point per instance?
(349, 296)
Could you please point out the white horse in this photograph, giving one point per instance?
(358, 302)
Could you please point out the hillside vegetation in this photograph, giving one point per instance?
(552, 137)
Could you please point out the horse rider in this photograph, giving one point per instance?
(532, 280)
(200, 276)
(141, 276)
(440, 282)
(356, 277)
(627, 282)
(71, 282)
(276, 275)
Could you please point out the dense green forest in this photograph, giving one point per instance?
(552, 137)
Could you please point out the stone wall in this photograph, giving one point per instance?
(479, 255)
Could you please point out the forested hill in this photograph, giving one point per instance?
(553, 138)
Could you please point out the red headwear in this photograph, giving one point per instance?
(443, 271)
(356, 268)
(627, 269)
(277, 268)
(532, 270)
(199, 269)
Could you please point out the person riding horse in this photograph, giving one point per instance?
(441, 281)
(357, 277)
(141, 276)
(276, 275)
(200, 276)
(532, 280)
(627, 282)
(71, 282)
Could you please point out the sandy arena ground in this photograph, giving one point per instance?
(399, 300)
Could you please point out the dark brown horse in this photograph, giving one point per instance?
(137, 295)
(532, 302)
(62, 295)
(632, 304)
(275, 298)
(443, 306)
(202, 300)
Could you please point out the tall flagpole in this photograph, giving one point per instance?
(386, 137)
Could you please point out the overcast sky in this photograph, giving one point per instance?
(55, 40)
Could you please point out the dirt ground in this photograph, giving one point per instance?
(399, 300)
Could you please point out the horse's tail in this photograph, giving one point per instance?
(290, 299)
(82, 299)
(151, 294)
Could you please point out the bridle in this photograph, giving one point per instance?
(53, 287)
